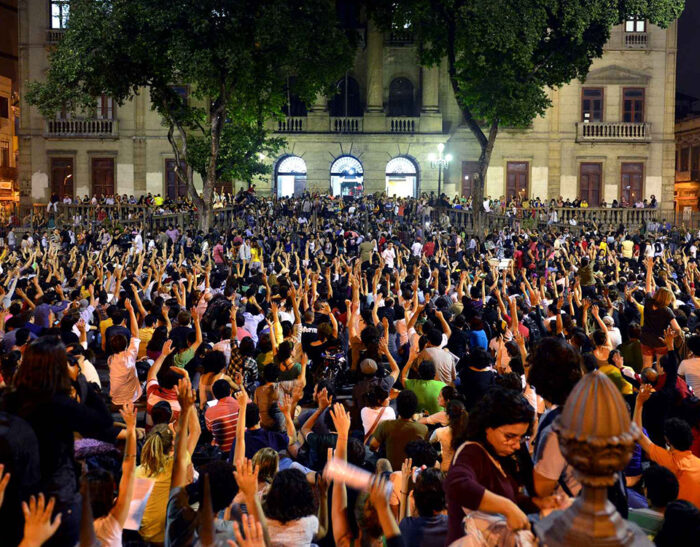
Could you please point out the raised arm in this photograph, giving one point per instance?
(185, 397)
(120, 511)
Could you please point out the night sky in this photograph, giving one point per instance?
(688, 66)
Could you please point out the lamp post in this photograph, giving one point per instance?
(440, 162)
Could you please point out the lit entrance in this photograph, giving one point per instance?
(401, 178)
(291, 177)
(347, 177)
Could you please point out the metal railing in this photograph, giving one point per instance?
(636, 40)
(82, 128)
(123, 215)
(613, 132)
(603, 217)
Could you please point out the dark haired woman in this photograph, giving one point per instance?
(482, 476)
(456, 429)
(57, 402)
(290, 507)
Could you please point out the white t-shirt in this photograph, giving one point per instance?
(550, 463)
(690, 369)
(443, 435)
(369, 415)
(108, 531)
(389, 255)
(298, 532)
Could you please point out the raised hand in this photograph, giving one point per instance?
(38, 527)
(341, 420)
(128, 413)
(252, 530)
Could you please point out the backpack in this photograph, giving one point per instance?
(533, 326)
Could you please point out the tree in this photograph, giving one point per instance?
(236, 56)
(503, 55)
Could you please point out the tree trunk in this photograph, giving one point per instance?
(480, 220)
(208, 185)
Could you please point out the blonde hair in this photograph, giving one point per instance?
(156, 450)
(663, 297)
(267, 461)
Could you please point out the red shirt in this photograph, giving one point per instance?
(429, 248)
(155, 394)
(221, 420)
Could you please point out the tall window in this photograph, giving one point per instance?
(635, 24)
(685, 155)
(4, 107)
(631, 182)
(401, 98)
(517, 174)
(105, 108)
(295, 106)
(633, 104)
(346, 101)
(592, 104)
(59, 13)
(4, 154)
(590, 186)
(103, 176)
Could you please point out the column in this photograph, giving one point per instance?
(375, 73)
(431, 83)
(317, 117)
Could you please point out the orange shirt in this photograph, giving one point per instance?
(685, 466)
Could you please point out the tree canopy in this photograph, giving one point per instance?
(236, 57)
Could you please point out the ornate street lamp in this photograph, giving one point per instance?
(440, 162)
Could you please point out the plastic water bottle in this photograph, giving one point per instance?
(351, 475)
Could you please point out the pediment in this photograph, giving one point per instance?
(614, 74)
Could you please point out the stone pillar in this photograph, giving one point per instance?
(430, 117)
(431, 87)
(317, 117)
(375, 66)
(320, 104)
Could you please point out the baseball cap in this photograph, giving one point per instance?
(368, 366)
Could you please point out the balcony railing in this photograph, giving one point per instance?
(636, 40)
(346, 125)
(54, 35)
(400, 37)
(292, 124)
(82, 128)
(402, 125)
(613, 132)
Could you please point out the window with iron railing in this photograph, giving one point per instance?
(635, 24)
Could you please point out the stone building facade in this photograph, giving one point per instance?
(610, 137)
(687, 188)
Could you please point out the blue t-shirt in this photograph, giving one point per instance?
(477, 339)
(424, 531)
(255, 439)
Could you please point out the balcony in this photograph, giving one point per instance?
(346, 125)
(402, 125)
(292, 124)
(613, 132)
(399, 37)
(636, 40)
(54, 35)
(82, 129)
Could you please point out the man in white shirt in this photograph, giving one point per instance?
(389, 255)
(690, 368)
(613, 332)
(417, 248)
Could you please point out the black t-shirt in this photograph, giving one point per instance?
(309, 333)
(474, 384)
(656, 321)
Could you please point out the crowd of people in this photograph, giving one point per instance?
(178, 387)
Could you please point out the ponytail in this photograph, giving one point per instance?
(156, 450)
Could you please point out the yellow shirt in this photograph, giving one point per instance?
(104, 325)
(145, 335)
(153, 521)
(255, 254)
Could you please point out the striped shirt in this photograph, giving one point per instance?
(221, 420)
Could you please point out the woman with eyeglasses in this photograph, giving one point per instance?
(484, 472)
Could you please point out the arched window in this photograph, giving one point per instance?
(401, 98)
(401, 178)
(346, 101)
(291, 176)
(347, 177)
(293, 106)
